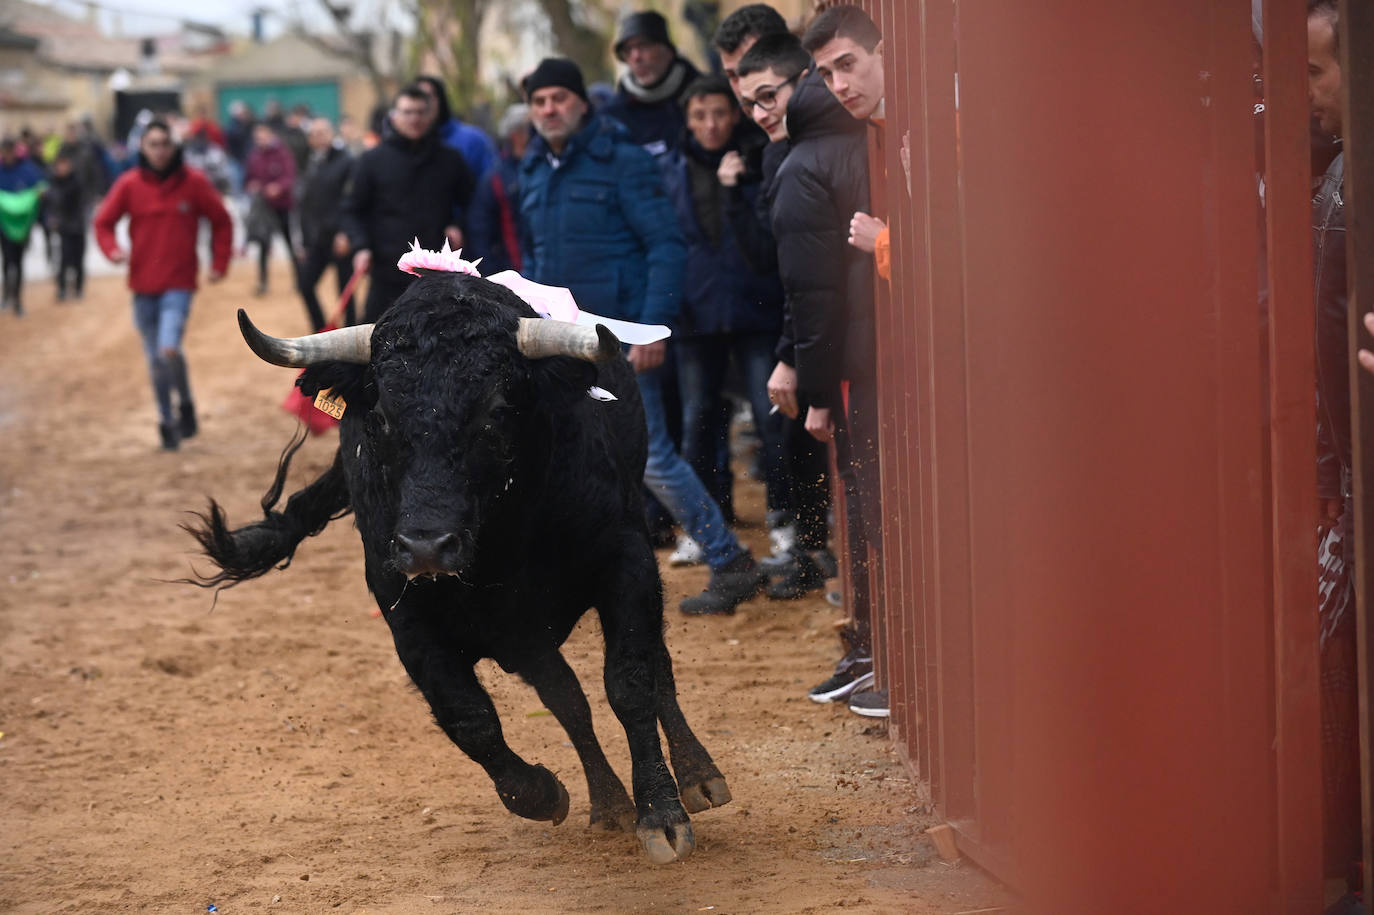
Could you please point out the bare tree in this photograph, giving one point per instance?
(581, 32)
(372, 50)
(446, 38)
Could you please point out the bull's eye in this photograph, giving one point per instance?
(378, 421)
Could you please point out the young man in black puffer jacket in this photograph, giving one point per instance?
(827, 351)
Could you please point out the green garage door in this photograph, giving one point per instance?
(321, 97)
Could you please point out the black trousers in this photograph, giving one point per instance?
(808, 469)
(319, 257)
(283, 225)
(72, 262)
(12, 258)
(385, 285)
(856, 453)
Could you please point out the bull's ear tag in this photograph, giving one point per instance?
(328, 402)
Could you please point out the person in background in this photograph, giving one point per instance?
(203, 123)
(165, 202)
(729, 313)
(322, 191)
(648, 98)
(409, 186)
(799, 524)
(271, 178)
(292, 133)
(21, 192)
(737, 33)
(350, 136)
(204, 156)
(620, 251)
(69, 213)
(238, 140)
(493, 218)
(477, 148)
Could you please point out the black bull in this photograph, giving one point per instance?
(497, 503)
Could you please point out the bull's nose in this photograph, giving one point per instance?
(426, 553)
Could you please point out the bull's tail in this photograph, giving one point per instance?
(259, 547)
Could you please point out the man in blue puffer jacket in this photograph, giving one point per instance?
(729, 312)
(594, 218)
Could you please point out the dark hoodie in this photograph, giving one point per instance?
(828, 322)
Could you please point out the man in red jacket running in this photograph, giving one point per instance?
(164, 201)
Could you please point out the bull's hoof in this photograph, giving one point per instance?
(711, 793)
(540, 796)
(560, 810)
(666, 844)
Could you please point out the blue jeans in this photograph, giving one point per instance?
(672, 481)
(161, 320)
(701, 365)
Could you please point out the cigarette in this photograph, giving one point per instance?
(776, 408)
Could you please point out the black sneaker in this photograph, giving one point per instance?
(188, 426)
(851, 674)
(729, 587)
(871, 703)
(171, 438)
(799, 580)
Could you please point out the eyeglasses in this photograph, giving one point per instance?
(767, 97)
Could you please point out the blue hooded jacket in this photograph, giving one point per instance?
(721, 293)
(598, 222)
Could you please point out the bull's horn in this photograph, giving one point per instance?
(539, 338)
(347, 344)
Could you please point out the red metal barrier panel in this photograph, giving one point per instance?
(1091, 665)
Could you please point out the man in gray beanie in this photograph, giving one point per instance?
(648, 97)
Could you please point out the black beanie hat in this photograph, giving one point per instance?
(648, 25)
(555, 71)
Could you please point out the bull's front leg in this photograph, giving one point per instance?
(562, 694)
(631, 611)
(466, 714)
(699, 781)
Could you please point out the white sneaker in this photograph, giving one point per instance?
(687, 553)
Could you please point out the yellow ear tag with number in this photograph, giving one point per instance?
(328, 402)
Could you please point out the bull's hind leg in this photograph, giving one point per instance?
(631, 611)
(465, 712)
(562, 694)
(698, 780)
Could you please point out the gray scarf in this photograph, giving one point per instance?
(667, 87)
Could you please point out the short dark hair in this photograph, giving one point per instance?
(708, 85)
(412, 91)
(158, 124)
(783, 54)
(842, 21)
(757, 19)
(1330, 10)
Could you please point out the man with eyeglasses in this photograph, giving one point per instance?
(411, 185)
(798, 524)
(826, 352)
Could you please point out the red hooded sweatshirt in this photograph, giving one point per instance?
(164, 213)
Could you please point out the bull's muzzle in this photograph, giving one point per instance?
(426, 553)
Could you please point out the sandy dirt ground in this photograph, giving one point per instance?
(162, 753)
